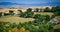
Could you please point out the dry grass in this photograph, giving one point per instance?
(15, 19)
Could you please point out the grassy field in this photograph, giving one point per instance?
(44, 13)
(15, 19)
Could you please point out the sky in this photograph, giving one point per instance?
(29, 2)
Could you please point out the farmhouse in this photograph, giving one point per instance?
(55, 20)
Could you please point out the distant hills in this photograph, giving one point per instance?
(7, 4)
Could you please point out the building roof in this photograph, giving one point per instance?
(55, 20)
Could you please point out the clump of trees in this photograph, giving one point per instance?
(11, 12)
(55, 10)
(27, 14)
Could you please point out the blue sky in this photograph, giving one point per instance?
(29, 2)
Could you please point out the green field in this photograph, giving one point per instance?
(44, 13)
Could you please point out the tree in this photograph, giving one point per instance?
(39, 19)
(57, 9)
(29, 10)
(11, 12)
(53, 9)
(29, 13)
(52, 16)
(20, 10)
(36, 16)
(47, 9)
(0, 14)
(5, 14)
(23, 14)
(37, 10)
(19, 25)
(47, 17)
(13, 25)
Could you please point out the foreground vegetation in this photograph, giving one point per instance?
(26, 27)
